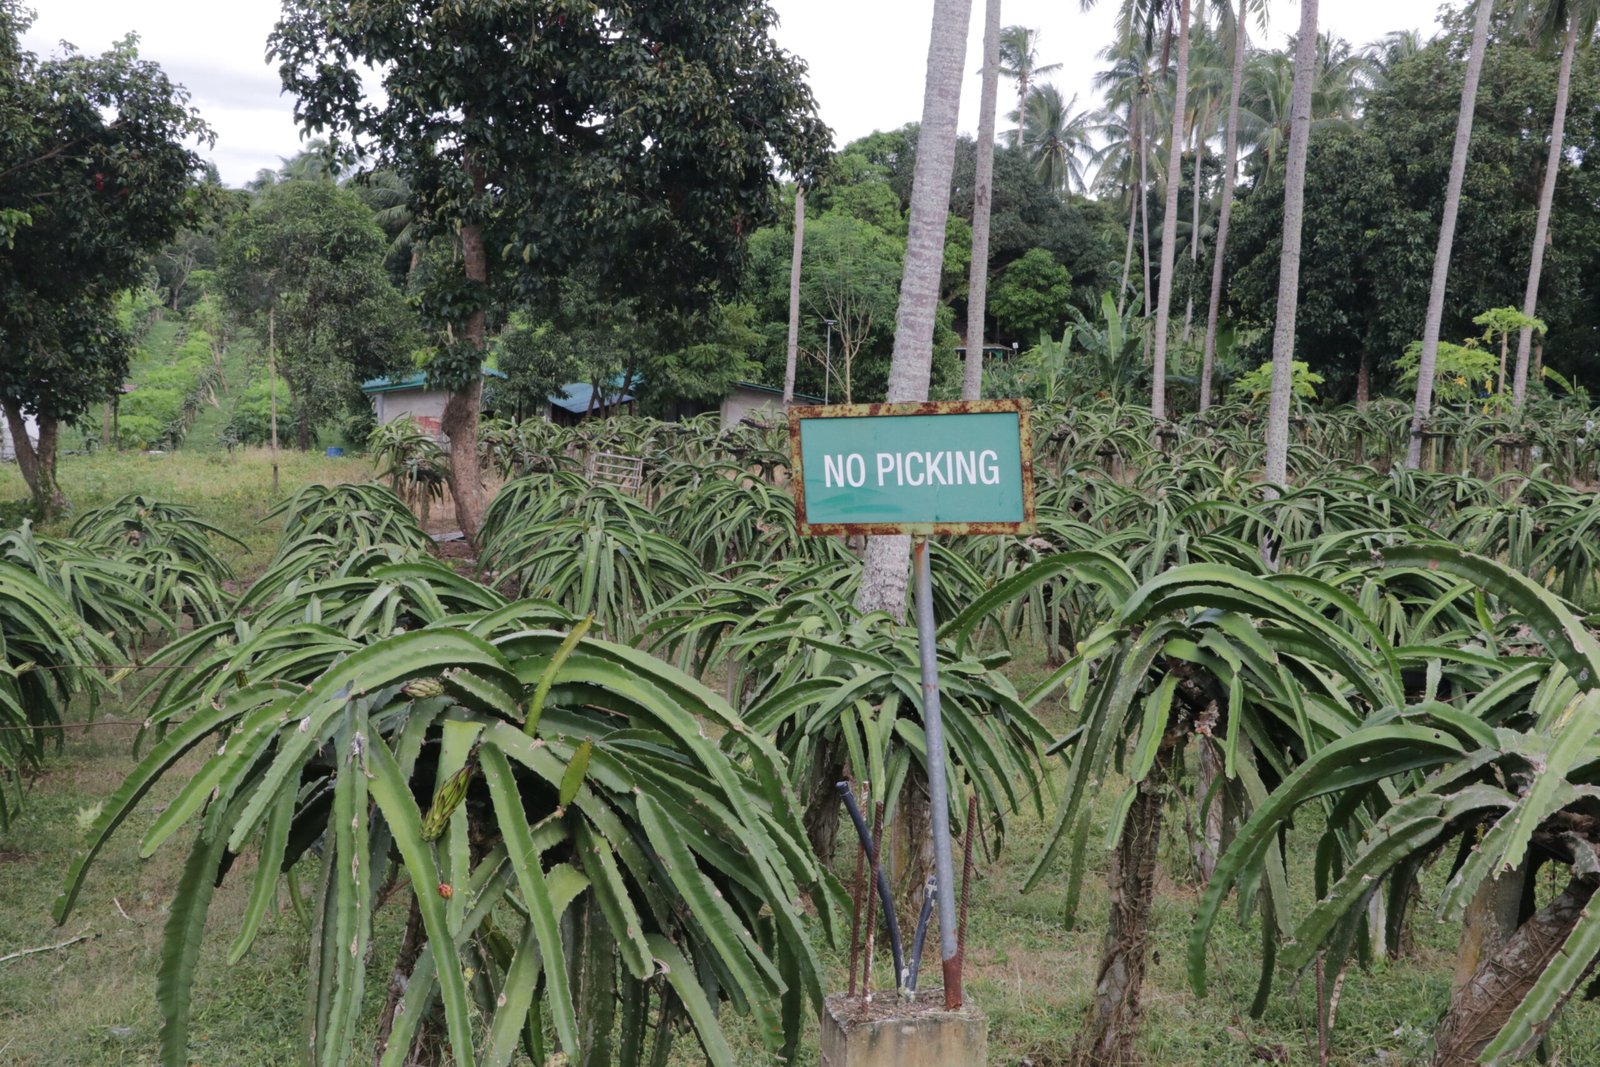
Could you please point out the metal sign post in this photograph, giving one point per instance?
(938, 786)
(964, 467)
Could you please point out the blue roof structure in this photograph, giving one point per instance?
(414, 380)
(576, 396)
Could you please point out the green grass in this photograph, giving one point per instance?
(94, 1003)
(205, 434)
(232, 490)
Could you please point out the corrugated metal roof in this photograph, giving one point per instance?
(757, 387)
(576, 396)
(415, 380)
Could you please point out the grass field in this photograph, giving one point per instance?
(94, 1002)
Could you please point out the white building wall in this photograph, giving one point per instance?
(418, 403)
(745, 403)
(8, 449)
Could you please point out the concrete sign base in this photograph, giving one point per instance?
(887, 1033)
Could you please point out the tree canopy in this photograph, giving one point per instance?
(96, 173)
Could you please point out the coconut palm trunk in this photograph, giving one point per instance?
(883, 576)
(1230, 180)
(793, 355)
(1144, 222)
(1194, 228)
(1447, 234)
(1547, 196)
(983, 188)
(1169, 221)
(1294, 202)
(1134, 196)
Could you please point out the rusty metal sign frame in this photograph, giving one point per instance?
(1021, 408)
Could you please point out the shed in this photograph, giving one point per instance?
(760, 403)
(394, 398)
(577, 401)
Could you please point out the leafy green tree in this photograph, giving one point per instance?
(94, 177)
(635, 140)
(1375, 191)
(1031, 296)
(717, 350)
(1258, 383)
(1501, 322)
(310, 255)
(1572, 21)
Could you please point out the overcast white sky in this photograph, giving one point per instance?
(867, 57)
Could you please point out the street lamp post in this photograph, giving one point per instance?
(827, 366)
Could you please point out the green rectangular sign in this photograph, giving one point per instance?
(963, 467)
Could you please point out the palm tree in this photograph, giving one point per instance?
(883, 575)
(1149, 13)
(1057, 138)
(1570, 20)
(1336, 93)
(983, 187)
(1019, 59)
(1230, 178)
(1205, 96)
(1294, 202)
(1169, 221)
(1128, 88)
(1388, 52)
(791, 356)
(1447, 233)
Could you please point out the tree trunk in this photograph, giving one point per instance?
(912, 834)
(1144, 218)
(411, 943)
(794, 293)
(823, 807)
(1211, 790)
(1294, 201)
(1022, 99)
(36, 462)
(883, 577)
(1547, 196)
(1194, 230)
(1230, 179)
(983, 185)
(1501, 386)
(1447, 235)
(1480, 1008)
(1108, 1035)
(1490, 921)
(1364, 380)
(1169, 220)
(1133, 209)
(272, 389)
(460, 421)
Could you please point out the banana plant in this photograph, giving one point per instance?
(586, 871)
